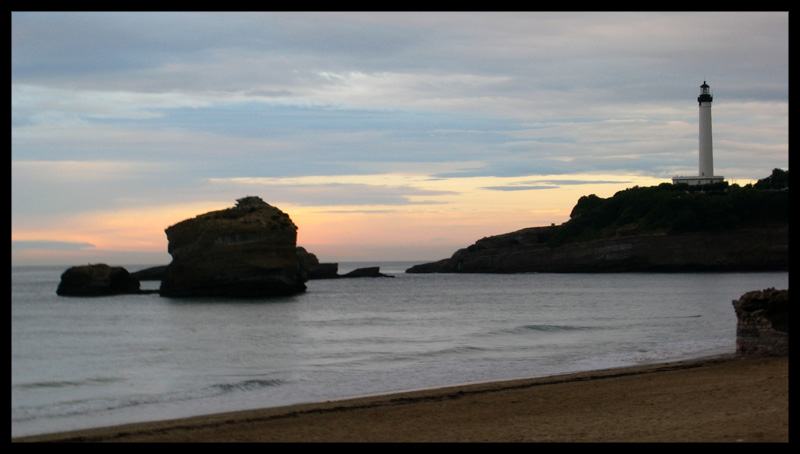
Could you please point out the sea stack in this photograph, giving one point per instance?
(246, 251)
(97, 280)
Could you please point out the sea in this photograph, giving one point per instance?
(102, 361)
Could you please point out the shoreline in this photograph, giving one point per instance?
(719, 399)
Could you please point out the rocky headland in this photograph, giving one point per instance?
(527, 251)
(248, 250)
(668, 228)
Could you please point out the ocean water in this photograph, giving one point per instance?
(91, 362)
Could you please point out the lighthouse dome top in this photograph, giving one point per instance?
(705, 94)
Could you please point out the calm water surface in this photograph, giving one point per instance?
(89, 362)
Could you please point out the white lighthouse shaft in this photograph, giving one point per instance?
(706, 149)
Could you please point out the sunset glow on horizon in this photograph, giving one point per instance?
(455, 215)
(384, 136)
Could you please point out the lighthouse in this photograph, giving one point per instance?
(705, 150)
(706, 147)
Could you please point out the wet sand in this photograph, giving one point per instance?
(726, 399)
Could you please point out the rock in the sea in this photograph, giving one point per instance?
(245, 251)
(313, 269)
(97, 280)
(372, 271)
(155, 273)
(762, 327)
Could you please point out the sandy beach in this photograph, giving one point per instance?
(726, 399)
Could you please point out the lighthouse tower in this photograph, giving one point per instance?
(706, 151)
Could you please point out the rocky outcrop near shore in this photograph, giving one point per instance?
(762, 327)
(155, 273)
(310, 264)
(245, 251)
(98, 280)
(760, 248)
(370, 271)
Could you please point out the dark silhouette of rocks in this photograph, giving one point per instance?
(665, 228)
(371, 271)
(313, 268)
(155, 273)
(762, 327)
(308, 262)
(98, 280)
(309, 265)
(245, 251)
(316, 270)
(526, 251)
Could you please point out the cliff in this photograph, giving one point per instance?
(248, 250)
(665, 228)
(744, 249)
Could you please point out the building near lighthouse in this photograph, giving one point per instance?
(706, 150)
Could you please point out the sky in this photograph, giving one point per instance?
(383, 135)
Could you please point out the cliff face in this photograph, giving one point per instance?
(659, 228)
(245, 251)
(741, 249)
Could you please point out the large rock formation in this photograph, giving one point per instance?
(527, 250)
(97, 280)
(248, 250)
(762, 327)
(309, 264)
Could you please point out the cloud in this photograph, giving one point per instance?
(325, 110)
(323, 194)
(49, 245)
(554, 184)
(518, 188)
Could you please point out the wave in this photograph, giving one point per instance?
(545, 329)
(456, 350)
(66, 383)
(677, 316)
(247, 385)
(81, 407)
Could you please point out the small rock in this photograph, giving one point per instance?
(373, 271)
(762, 327)
(97, 280)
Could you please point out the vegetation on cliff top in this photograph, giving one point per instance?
(250, 213)
(675, 209)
